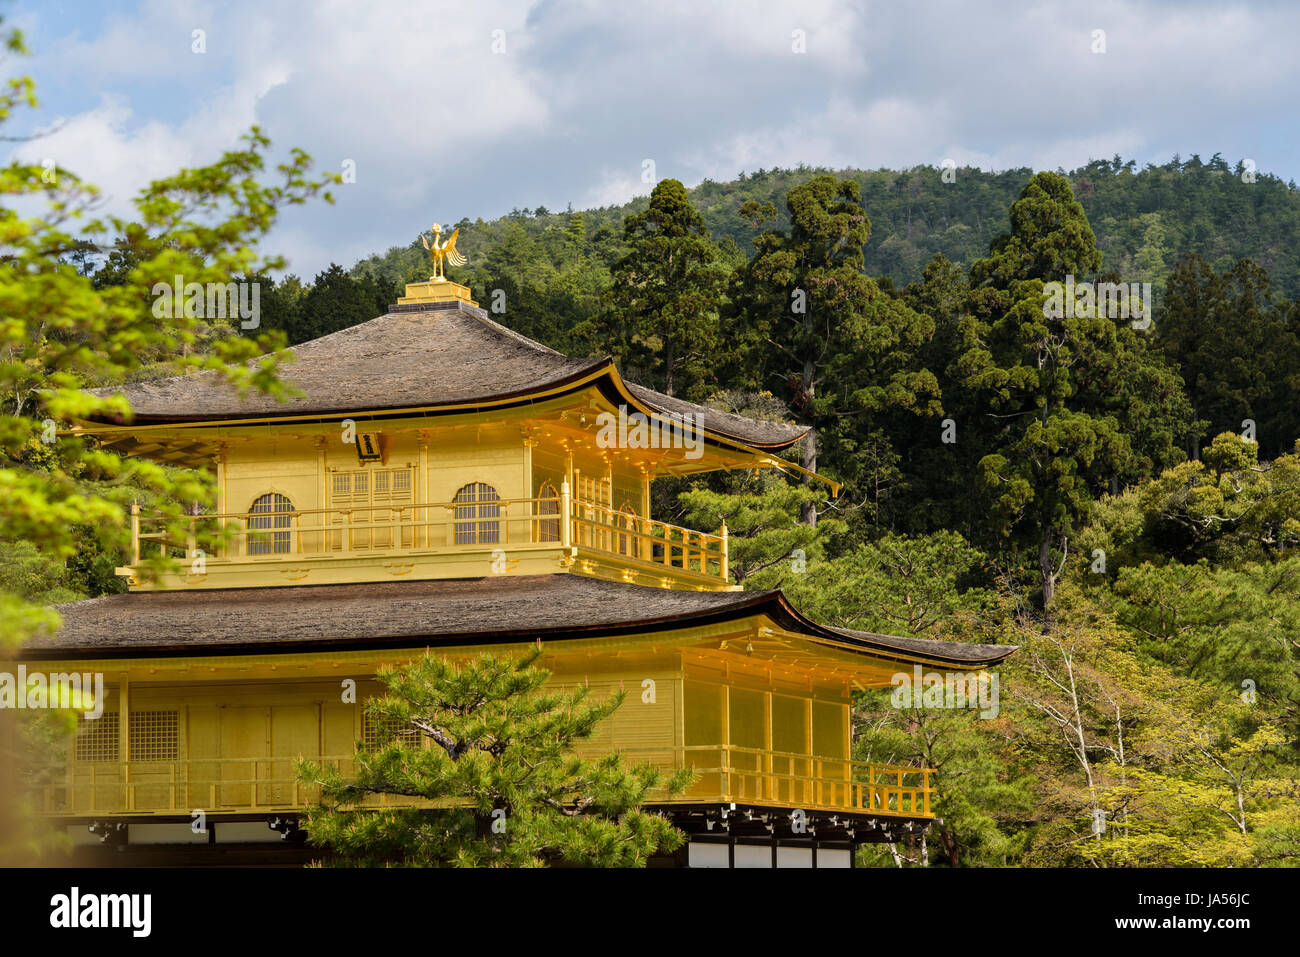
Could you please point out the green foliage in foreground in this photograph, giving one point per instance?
(500, 769)
(63, 500)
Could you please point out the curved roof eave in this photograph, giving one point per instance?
(441, 359)
(598, 373)
(564, 608)
(902, 649)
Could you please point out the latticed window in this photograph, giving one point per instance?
(592, 498)
(379, 732)
(627, 544)
(153, 735)
(548, 529)
(478, 514)
(271, 511)
(376, 498)
(594, 490)
(96, 738)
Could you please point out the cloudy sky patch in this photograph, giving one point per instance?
(472, 109)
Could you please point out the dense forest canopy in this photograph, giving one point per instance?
(1143, 218)
(1120, 500)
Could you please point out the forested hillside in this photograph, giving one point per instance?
(1143, 218)
(1120, 500)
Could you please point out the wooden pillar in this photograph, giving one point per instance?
(220, 461)
(724, 777)
(722, 533)
(322, 499)
(124, 739)
(223, 499)
(135, 534)
(808, 748)
(647, 546)
(531, 528)
(609, 540)
(423, 533)
(576, 492)
(565, 518)
(769, 786)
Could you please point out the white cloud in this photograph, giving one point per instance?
(615, 187)
(441, 127)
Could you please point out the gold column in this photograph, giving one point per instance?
(575, 491)
(647, 547)
(726, 571)
(220, 461)
(223, 500)
(565, 519)
(421, 491)
(124, 738)
(322, 491)
(530, 508)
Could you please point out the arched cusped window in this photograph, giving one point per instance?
(548, 529)
(269, 521)
(477, 515)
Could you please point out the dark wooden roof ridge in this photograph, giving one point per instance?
(726, 423)
(388, 364)
(440, 612)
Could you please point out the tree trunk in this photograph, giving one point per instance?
(808, 510)
(1045, 568)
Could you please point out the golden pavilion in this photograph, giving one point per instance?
(440, 482)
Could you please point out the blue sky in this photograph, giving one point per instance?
(576, 96)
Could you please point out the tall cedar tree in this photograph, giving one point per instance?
(1238, 352)
(667, 291)
(500, 768)
(1047, 445)
(337, 301)
(805, 295)
(935, 476)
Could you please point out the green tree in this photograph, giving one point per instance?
(575, 236)
(897, 585)
(281, 303)
(1050, 442)
(499, 743)
(836, 343)
(1231, 343)
(667, 290)
(1229, 507)
(64, 331)
(336, 301)
(1217, 782)
(980, 799)
(765, 535)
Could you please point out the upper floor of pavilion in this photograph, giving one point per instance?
(433, 442)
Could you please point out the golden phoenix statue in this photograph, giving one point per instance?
(440, 251)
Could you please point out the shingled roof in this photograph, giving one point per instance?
(425, 356)
(446, 612)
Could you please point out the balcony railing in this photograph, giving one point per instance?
(517, 524)
(724, 774)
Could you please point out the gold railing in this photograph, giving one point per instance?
(516, 524)
(622, 533)
(724, 774)
(755, 776)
